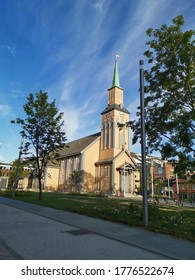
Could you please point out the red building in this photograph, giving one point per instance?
(163, 170)
(185, 189)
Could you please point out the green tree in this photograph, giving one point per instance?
(43, 131)
(170, 93)
(158, 184)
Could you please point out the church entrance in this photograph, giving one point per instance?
(126, 179)
(124, 182)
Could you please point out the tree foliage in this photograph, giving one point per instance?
(170, 93)
(43, 131)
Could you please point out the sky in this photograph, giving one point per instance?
(67, 48)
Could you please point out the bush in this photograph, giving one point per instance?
(153, 213)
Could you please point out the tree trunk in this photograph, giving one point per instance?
(40, 187)
(39, 169)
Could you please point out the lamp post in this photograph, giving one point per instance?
(143, 145)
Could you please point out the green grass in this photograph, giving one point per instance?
(174, 220)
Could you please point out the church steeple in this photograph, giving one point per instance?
(115, 167)
(115, 93)
(114, 138)
(115, 81)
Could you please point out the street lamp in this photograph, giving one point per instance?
(143, 145)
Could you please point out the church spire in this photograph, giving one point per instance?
(115, 81)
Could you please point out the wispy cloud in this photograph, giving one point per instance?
(70, 48)
(17, 93)
(5, 110)
(88, 76)
(98, 5)
(58, 56)
(71, 121)
(10, 49)
(74, 121)
(2, 158)
(66, 89)
(79, 119)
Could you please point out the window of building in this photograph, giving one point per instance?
(193, 186)
(99, 171)
(171, 172)
(105, 136)
(183, 187)
(106, 171)
(111, 135)
(160, 171)
(108, 135)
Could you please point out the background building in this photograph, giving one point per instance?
(160, 175)
(5, 170)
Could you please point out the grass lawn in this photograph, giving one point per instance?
(171, 219)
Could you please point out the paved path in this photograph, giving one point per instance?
(33, 232)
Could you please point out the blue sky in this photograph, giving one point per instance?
(68, 48)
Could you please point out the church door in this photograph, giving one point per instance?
(124, 181)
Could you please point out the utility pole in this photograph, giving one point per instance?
(18, 165)
(143, 145)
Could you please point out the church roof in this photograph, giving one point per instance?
(128, 166)
(111, 160)
(77, 146)
(115, 106)
(115, 80)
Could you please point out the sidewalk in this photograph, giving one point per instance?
(30, 231)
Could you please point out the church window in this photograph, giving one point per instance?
(111, 135)
(99, 171)
(107, 171)
(102, 138)
(108, 135)
(105, 136)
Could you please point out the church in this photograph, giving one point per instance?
(100, 162)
